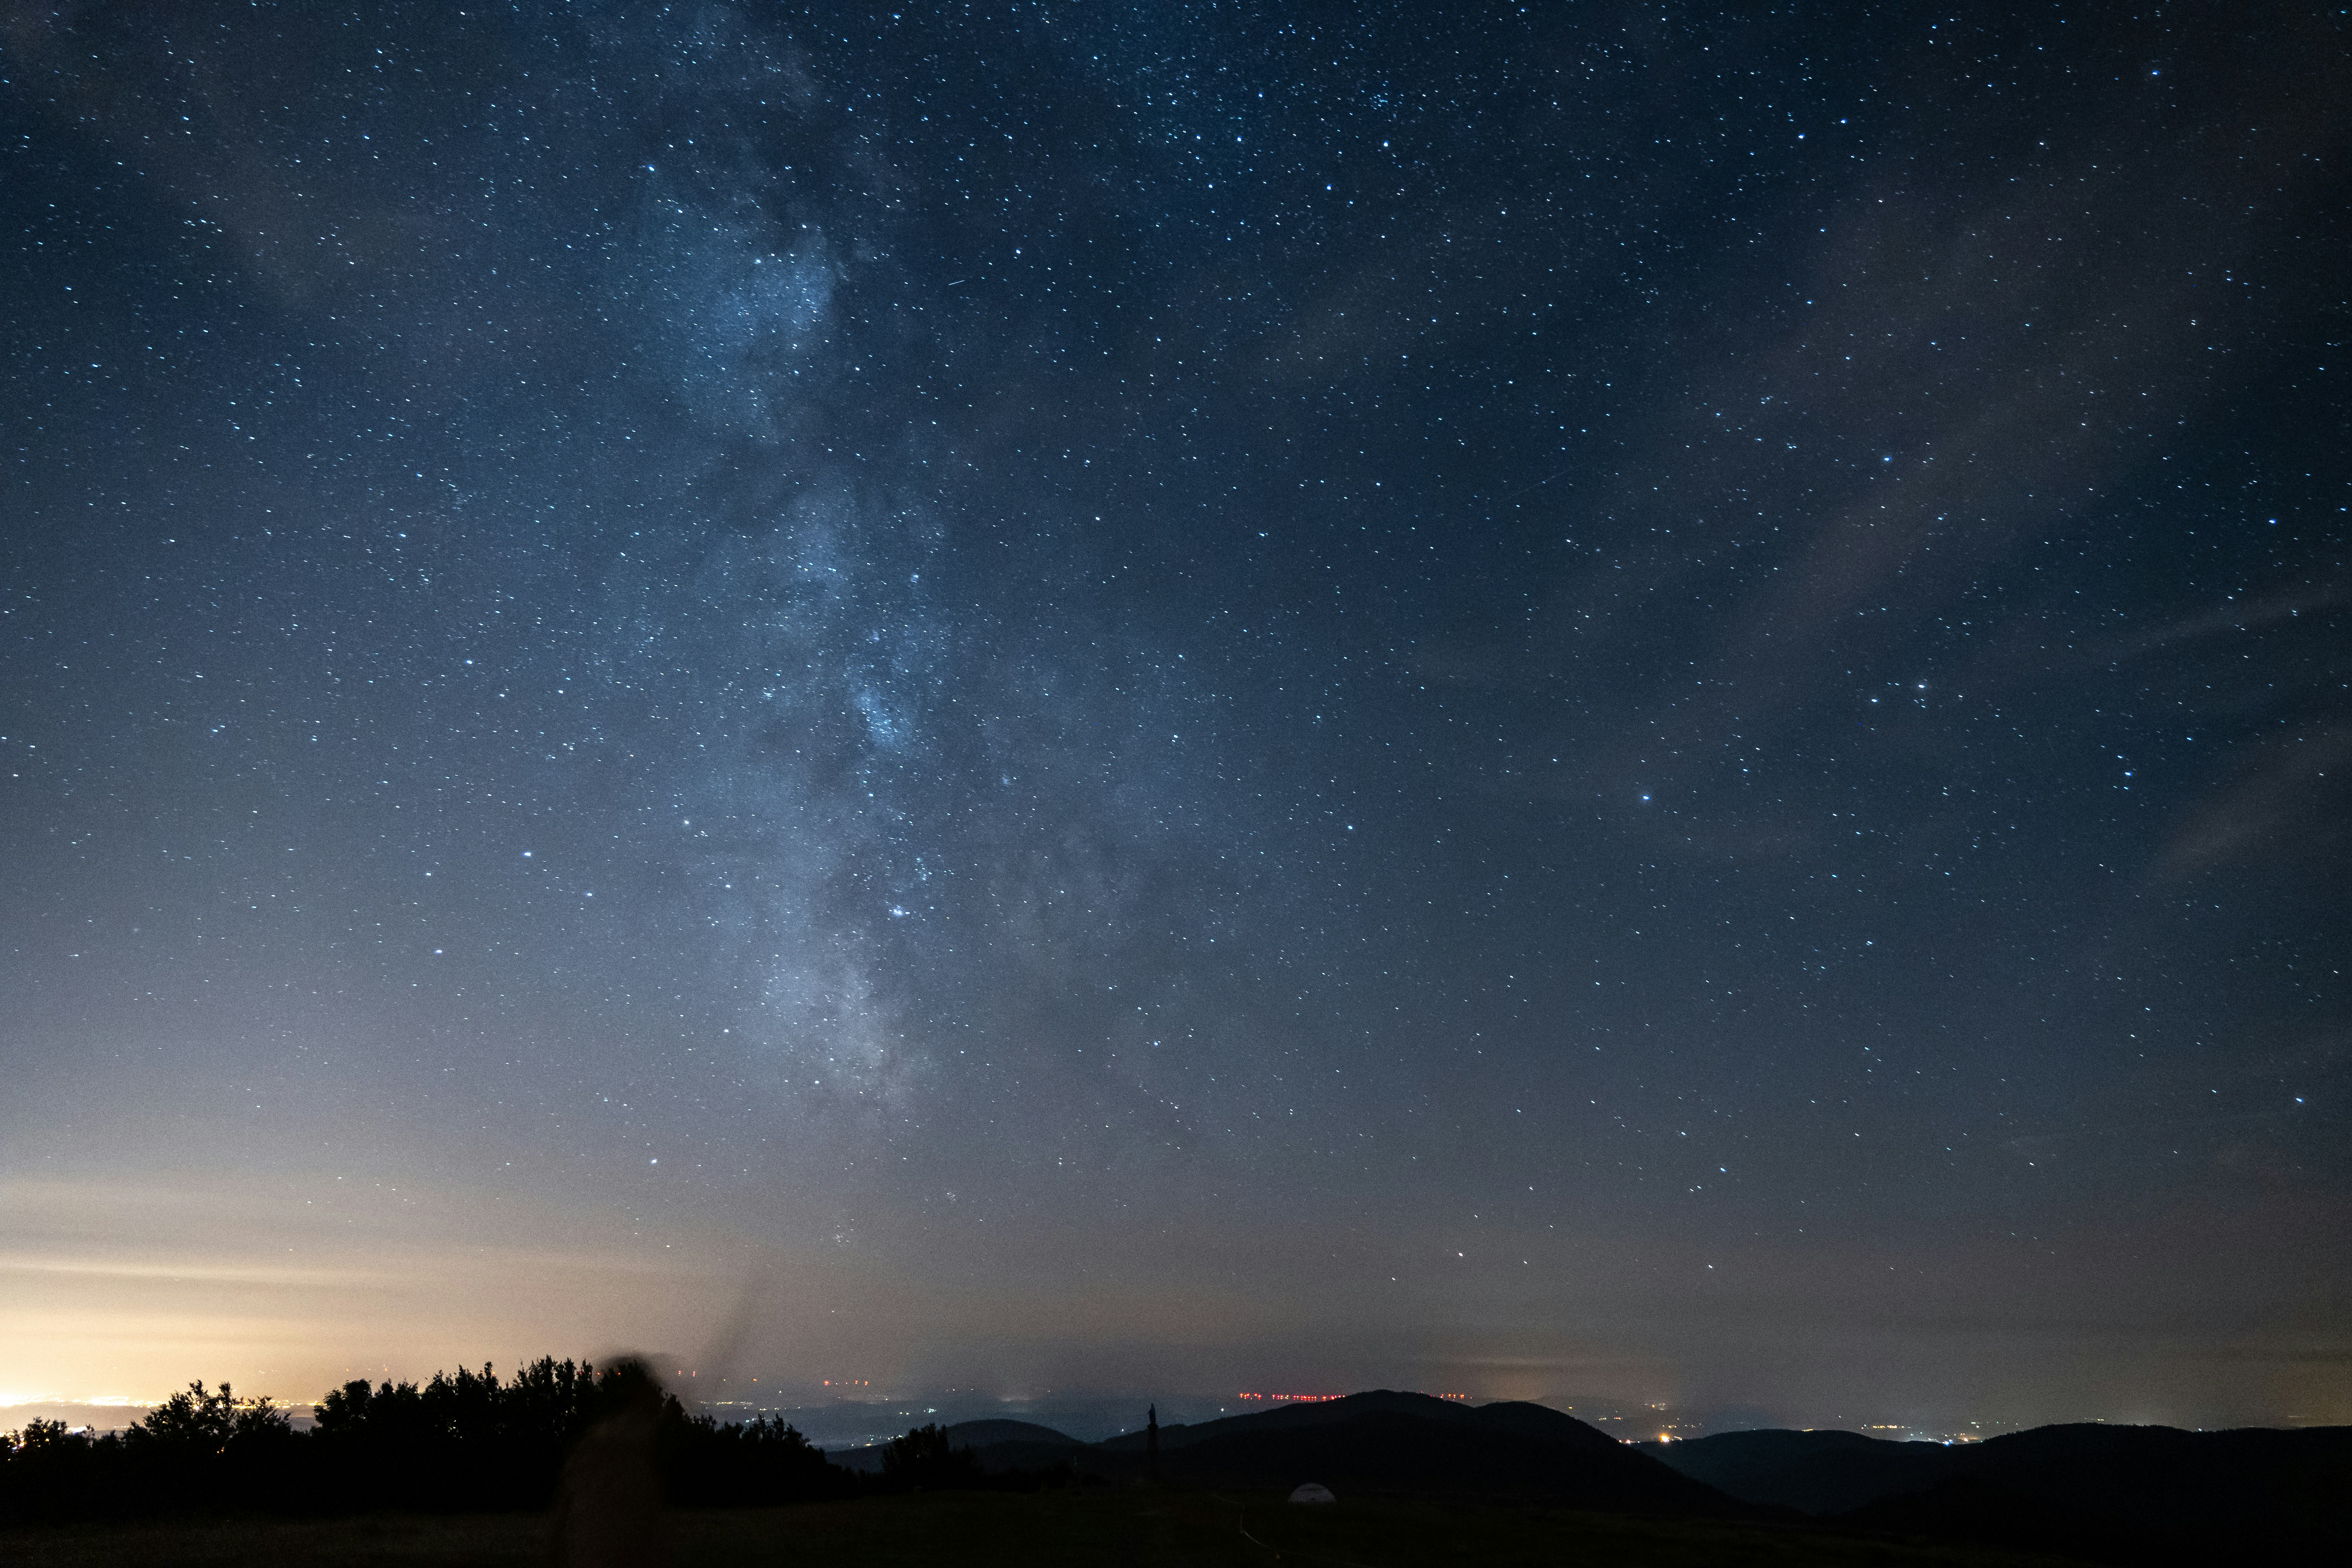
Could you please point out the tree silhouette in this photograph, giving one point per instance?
(924, 1460)
(463, 1440)
(200, 1421)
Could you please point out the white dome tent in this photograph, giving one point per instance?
(1311, 1492)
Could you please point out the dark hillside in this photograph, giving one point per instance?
(1541, 1424)
(1813, 1472)
(1538, 1422)
(982, 1434)
(2141, 1494)
(1412, 1444)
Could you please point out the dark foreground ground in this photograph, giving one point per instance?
(1129, 1527)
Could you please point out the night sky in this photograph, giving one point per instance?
(1550, 701)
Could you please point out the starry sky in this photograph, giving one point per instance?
(1600, 699)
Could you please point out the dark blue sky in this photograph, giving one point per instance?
(1580, 699)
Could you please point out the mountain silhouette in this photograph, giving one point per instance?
(1390, 1443)
(1813, 1472)
(2114, 1494)
(2136, 1494)
(2142, 1494)
(988, 1433)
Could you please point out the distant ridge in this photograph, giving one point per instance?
(2123, 1494)
(1381, 1442)
(2114, 1494)
(1412, 1444)
(1813, 1472)
(1537, 1421)
(1000, 1444)
(982, 1434)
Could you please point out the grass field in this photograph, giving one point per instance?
(1127, 1528)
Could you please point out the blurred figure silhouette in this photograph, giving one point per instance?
(608, 1511)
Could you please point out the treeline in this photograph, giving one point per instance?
(462, 1443)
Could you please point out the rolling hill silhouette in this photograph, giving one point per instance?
(987, 1434)
(2117, 1494)
(1412, 1444)
(1813, 1472)
(2140, 1494)
(1001, 1445)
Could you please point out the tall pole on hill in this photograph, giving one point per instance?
(1151, 1443)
